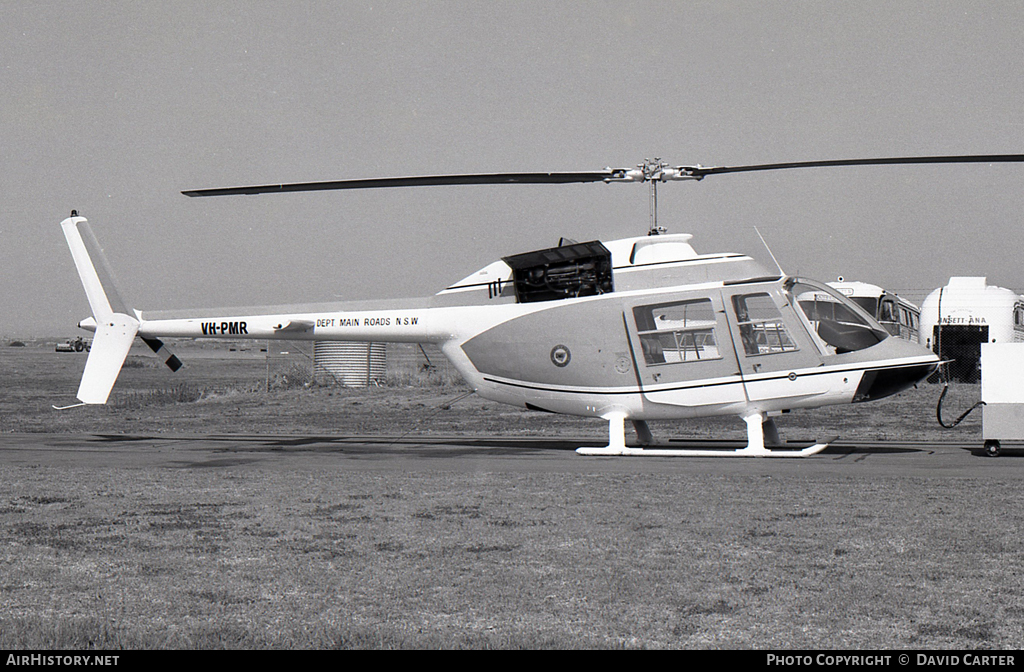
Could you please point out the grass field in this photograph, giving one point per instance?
(246, 555)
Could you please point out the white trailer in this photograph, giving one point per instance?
(958, 318)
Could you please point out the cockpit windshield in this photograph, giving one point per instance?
(840, 323)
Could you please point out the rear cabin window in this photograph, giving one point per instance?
(677, 332)
(760, 325)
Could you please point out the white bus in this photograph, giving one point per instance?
(958, 318)
(900, 317)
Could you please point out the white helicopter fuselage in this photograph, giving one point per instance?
(587, 355)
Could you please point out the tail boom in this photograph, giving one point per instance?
(414, 325)
(116, 325)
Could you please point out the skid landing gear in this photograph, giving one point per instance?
(758, 428)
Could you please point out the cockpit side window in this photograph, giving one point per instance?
(840, 323)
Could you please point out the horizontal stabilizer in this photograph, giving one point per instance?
(110, 346)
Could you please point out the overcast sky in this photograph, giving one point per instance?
(114, 108)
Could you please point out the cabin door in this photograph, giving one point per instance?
(683, 350)
(777, 358)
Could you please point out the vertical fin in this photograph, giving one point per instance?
(93, 269)
(115, 326)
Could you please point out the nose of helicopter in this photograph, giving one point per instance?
(900, 364)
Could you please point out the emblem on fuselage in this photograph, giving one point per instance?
(560, 355)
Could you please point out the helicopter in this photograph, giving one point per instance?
(641, 328)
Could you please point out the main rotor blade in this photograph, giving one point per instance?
(701, 171)
(645, 172)
(418, 181)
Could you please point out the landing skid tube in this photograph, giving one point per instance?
(755, 447)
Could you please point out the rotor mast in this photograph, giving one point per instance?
(654, 171)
